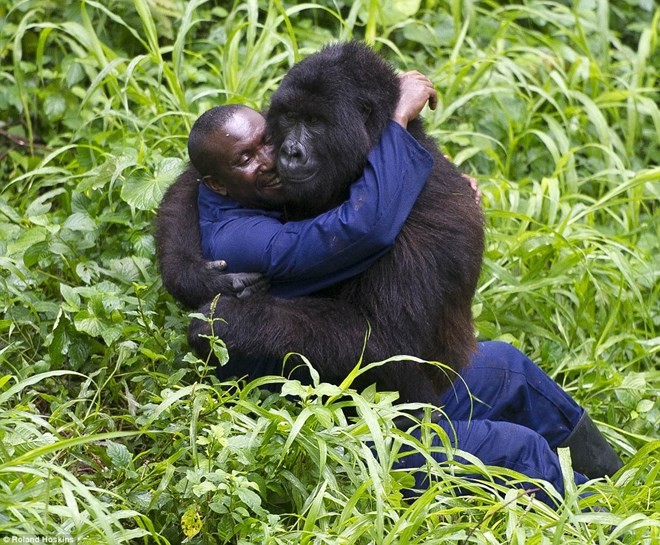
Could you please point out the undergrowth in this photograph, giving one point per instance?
(111, 432)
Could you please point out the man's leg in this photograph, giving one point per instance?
(501, 444)
(509, 387)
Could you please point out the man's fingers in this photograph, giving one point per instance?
(433, 99)
(475, 188)
(422, 79)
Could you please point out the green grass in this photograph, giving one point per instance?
(111, 432)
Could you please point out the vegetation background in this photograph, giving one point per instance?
(111, 432)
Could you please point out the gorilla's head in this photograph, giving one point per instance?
(328, 112)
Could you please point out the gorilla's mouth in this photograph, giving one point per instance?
(297, 172)
(297, 179)
(297, 175)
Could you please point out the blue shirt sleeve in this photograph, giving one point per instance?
(324, 249)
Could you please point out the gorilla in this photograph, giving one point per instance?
(415, 300)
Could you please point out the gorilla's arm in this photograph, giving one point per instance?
(329, 332)
(186, 275)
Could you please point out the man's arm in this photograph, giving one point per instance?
(350, 237)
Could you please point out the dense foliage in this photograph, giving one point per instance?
(111, 432)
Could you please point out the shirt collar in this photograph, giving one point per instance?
(212, 206)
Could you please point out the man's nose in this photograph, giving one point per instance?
(267, 158)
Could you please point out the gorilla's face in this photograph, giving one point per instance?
(321, 144)
(297, 159)
(323, 120)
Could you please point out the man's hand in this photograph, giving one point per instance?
(475, 188)
(415, 90)
(473, 184)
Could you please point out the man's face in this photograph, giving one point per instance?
(245, 163)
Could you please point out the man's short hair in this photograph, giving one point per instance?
(202, 133)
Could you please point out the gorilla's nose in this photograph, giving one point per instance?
(293, 153)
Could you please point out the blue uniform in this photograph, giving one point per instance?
(516, 418)
(302, 257)
(521, 414)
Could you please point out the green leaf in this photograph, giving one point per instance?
(145, 192)
(54, 106)
(119, 454)
(249, 498)
(391, 12)
(42, 204)
(79, 350)
(70, 296)
(293, 388)
(34, 253)
(9, 212)
(85, 322)
(58, 344)
(86, 272)
(26, 239)
(79, 222)
(645, 405)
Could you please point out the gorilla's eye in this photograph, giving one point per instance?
(313, 119)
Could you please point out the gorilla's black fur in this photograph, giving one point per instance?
(328, 112)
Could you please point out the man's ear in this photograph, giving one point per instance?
(215, 186)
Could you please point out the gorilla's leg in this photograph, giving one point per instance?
(330, 333)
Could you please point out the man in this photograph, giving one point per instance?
(520, 415)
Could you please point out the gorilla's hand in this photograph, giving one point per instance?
(247, 284)
(235, 284)
(219, 265)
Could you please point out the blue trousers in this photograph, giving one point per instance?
(517, 417)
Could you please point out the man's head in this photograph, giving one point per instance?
(229, 147)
